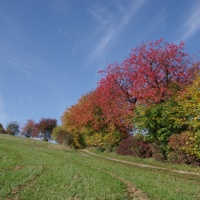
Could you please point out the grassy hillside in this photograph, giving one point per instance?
(31, 169)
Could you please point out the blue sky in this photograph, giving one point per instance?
(51, 50)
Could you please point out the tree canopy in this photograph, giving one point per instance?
(141, 92)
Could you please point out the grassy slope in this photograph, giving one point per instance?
(32, 169)
(158, 184)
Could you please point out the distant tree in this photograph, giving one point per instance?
(13, 128)
(1, 129)
(30, 129)
(45, 126)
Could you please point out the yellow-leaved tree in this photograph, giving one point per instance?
(190, 103)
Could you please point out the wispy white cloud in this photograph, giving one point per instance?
(18, 58)
(13, 49)
(101, 45)
(128, 12)
(191, 25)
(18, 64)
(110, 23)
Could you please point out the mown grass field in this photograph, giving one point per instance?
(31, 169)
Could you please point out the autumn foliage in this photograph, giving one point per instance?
(62, 136)
(151, 74)
(46, 126)
(89, 125)
(30, 129)
(155, 91)
(43, 128)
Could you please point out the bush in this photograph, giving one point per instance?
(62, 136)
(182, 157)
(140, 147)
(125, 146)
(135, 146)
(181, 149)
(159, 151)
(194, 148)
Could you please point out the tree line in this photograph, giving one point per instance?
(147, 106)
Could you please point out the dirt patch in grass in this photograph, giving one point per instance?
(17, 167)
(132, 191)
(15, 192)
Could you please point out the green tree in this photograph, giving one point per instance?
(13, 128)
(190, 104)
(158, 122)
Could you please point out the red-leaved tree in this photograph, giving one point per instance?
(30, 129)
(83, 118)
(45, 126)
(152, 73)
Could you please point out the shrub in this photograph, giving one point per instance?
(62, 136)
(135, 146)
(182, 157)
(125, 146)
(182, 149)
(140, 148)
(159, 151)
(194, 148)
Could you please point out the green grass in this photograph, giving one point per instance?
(158, 184)
(32, 169)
